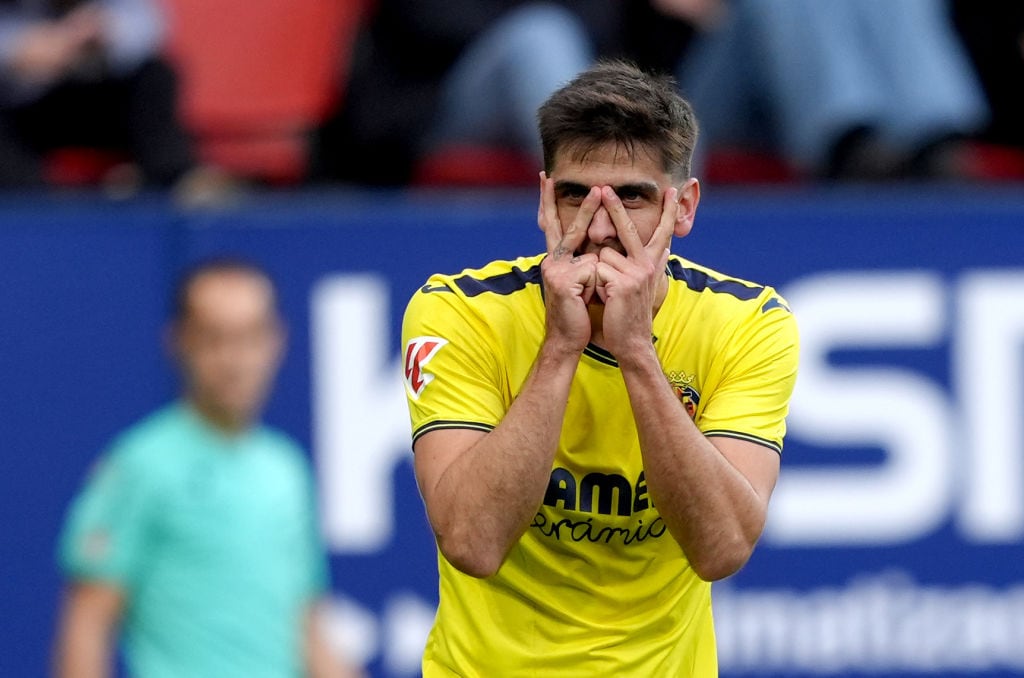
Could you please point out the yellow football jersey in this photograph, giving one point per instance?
(596, 586)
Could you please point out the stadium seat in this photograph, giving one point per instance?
(734, 165)
(78, 166)
(257, 76)
(489, 166)
(992, 162)
(494, 166)
(472, 166)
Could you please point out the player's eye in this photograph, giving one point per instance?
(573, 195)
(629, 195)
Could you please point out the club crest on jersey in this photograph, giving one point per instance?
(418, 353)
(682, 384)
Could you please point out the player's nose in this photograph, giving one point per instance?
(601, 227)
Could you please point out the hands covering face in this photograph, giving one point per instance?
(627, 284)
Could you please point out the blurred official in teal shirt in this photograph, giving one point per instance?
(196, 537)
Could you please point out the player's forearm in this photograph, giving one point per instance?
(709, 507)
(492, 491)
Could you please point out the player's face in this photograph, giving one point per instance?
(229, 345)
(638, 179)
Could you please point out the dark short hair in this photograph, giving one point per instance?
(617, 102)
(213, 265)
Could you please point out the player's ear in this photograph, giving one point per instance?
(688, 198)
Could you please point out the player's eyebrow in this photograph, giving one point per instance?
(647, 189)
(564, 187)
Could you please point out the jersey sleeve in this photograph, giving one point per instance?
(758, 374)
(109, 524)
(452, 373)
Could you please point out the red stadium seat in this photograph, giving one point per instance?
(258, 75)
(992, 162)
(487, 166)
(76, 167)
(745, 166)
(469, 166)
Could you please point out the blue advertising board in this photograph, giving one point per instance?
(894, 543)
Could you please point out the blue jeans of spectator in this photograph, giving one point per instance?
(493, 91)
(797, 74)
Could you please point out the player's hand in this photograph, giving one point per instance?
(569, 279)
(630, 284)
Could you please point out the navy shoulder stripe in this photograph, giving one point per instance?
(698, 281)
(774, 302)
(503, 283)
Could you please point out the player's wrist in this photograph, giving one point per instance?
(560, 350)
(638, 356)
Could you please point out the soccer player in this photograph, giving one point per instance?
(597, 429)
(196, 537)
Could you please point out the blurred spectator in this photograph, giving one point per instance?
(994, 35)
(654, 36)
(196, 537)
(848, 89)
(77, 73)
(430, 74)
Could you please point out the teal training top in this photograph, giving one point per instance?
(213, 539)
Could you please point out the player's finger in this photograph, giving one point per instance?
(624, 226)
(547, 213)
(663, 259)
(604, 275)
(589, 287)
(583, 268)
(573, 236)
(662, 236)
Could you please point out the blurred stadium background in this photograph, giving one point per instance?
(894, 546)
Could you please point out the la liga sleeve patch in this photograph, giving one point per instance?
(418, 352)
